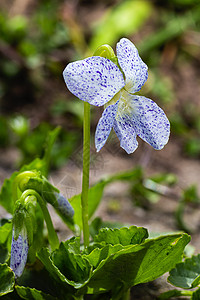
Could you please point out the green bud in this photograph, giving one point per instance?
(40, 184)
(30, 219)
(18, 218)
(105, 51)
(36, 182)
(24, 217)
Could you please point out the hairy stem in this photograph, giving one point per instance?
(86, 170)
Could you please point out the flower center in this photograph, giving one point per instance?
(124, 108)
(114, 99)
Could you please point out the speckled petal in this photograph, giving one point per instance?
(94, 79)
(63, 206)
(134, 68)
(19, 253)
(148, 119)
(105, 125)
(125, 133)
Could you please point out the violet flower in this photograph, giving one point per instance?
(99, 81)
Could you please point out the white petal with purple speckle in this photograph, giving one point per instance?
(125, 133)
(99, 81)
(148, 120)
(63, 206)
(134, 68)
(94, 79)
(105, 125)
(19, 253)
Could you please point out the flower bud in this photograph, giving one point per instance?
(19, 252)
(63, 206)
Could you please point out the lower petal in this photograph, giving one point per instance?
(149, 121)
(125, 133)
(105, 125)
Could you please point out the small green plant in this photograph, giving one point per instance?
(97, 261)
(185, 275)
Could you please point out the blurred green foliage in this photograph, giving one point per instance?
(123, 19)
(35, 36)
(16, 131)
(35, 46)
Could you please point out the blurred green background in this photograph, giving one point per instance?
(39, 38)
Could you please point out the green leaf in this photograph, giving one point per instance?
(37, 276)
(7, 279)
(6, 198)
(42, 165)
(138, 263)
(124, 19)
(37, 164)
(32, 294)
(44, 256)
(75, 267)
(173, 293)
(196, 295)
(4, 254)
(5, 231)
(98, 224)
(97, 255)
(124, 236)
(186, 274)
(5, 241)
(64, 269)
(73, 245)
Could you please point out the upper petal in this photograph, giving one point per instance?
(134, 68)
(148, 119)
(105, 125)
(94, 79)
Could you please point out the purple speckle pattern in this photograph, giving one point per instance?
(105, 125)
(19, 253)
(134, 115)
(134, 68)
(126, 134)
(147, 119)
(64, 207)
(94, 79)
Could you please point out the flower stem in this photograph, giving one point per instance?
(52, 236)
(127, 295)
(86, 170)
